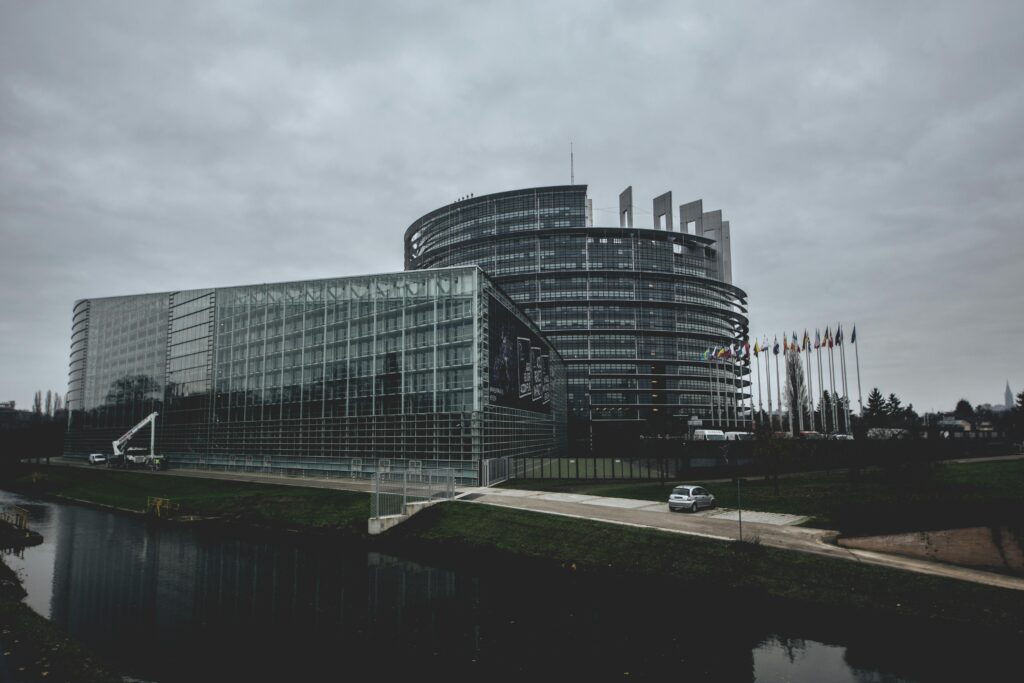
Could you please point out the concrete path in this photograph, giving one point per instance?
(771, 529)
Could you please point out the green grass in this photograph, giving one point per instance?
(261, 504)
(744, 569)
(879, 500)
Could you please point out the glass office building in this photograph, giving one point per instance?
(338, 377)
(631, 310)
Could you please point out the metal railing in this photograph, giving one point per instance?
(14, 515)
(495, 470)
(394, 492)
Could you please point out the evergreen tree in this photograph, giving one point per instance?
(48, 406)
(1020, 401)
(876, 404)
(37, 403)
(893, 406)
(963, 411)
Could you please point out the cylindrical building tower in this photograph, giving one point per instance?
(631, 310)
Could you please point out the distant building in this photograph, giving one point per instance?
(338, 377)
(632, 309)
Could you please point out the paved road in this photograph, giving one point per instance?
(707, 525)
(776, 531)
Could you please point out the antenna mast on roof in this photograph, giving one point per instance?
(572, 166)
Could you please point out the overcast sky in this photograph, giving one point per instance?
(869, 155)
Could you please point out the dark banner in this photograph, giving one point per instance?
(520, 374)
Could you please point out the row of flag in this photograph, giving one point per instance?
(744, 350)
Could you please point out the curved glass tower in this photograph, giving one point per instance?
(631, 310)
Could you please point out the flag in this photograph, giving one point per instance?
(853, 335)
(757, 346)
(839, 335)
(793, 347)
(829, 339)
(704, 356)
(817, 339)
(806, 346)
(775, 349)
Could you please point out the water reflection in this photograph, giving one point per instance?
(174, 603)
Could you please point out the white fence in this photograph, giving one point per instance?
(496, 470)
(393, 492)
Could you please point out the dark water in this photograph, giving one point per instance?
(176, 603)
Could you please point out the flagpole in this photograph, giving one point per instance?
(768, 378)
(790, 406)
(778, 386)
(810, 381)
(856, 356)
(846, 395)
(711, 391)
(832, 384)
(713, 371)
(735, 392)
(760, 404)
(821, 387)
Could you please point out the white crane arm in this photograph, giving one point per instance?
(119, 443)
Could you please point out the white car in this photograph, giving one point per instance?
(97, 458)
(689, 497)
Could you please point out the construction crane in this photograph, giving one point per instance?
(119, 444)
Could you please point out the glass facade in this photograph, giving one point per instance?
(328, 377)
(631, 310)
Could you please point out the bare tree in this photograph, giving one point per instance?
(58, 402)
(48, 406)
(37, 403)
(796, 389)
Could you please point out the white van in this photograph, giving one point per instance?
(708, 435)
(738, 436)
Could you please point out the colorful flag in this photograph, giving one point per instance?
(757, 346)
(829, 337)
(806, 346)
(817, 339)
(775, 349)
(853, 335)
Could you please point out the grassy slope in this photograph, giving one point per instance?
(262, 504)
(876, 501)
(488, 533)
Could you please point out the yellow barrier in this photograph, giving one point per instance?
(161, 506)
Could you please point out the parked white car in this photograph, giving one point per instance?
(689, 497)
(97, 458)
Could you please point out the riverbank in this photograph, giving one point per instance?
(839, 589)
(270, 506)
(34, 648)
(496, 537)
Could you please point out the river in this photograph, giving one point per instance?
(166, 602)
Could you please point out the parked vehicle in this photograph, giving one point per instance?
(738, 436)
(97, 458)
(708, 435)
(841, 437)
(811, 435)
(690, 497)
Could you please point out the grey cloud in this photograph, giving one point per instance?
(868, 155)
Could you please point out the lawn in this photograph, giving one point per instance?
(494, 535)
(879, 500)
(263, 504)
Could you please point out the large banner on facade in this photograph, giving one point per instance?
(520, 370)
